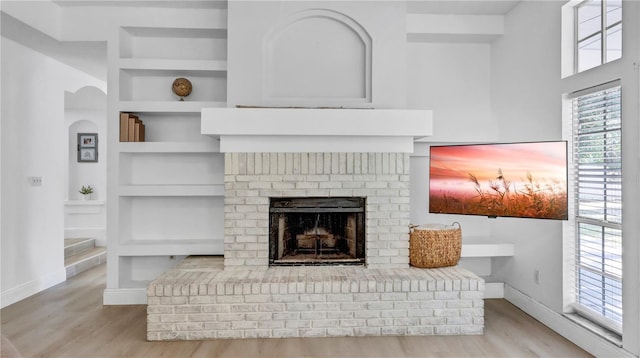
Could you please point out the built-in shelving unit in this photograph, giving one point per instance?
(166, 194)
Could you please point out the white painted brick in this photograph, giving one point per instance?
(367, 314)
(172, 318)
(313, 298)
(447, 330)
(445, 312)
(188, 309)
(339, 315)
(340, 332)
(173, 300)
(471, 295)
(404, 305)
(273, 324)
(329, 323)
(459, 321)
(217, 308)
(285, 333)
(433, 321)
(420, 331)
(349, 323)
(366, 331)
(189, 326)
(471, 330)
(393, 296)
(393, 313)
(313, 315)
(446, 295)
(230, 334)
(297, 324)
(393, 331)
(286, 316)
(313, 332)
(475, 312)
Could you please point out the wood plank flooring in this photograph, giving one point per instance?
(69, 320)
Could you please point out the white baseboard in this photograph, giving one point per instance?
(30, 288)
(124, 296)
(582, 337)
(494, 290)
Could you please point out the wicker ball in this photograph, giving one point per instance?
(182, 87)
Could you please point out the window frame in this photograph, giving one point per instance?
(602, 31)
(572, 300)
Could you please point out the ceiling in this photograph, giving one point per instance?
(467, 7)
(461, 7)
(183, 4)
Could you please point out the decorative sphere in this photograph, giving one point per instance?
(182, 87)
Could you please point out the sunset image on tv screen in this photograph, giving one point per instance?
(512, 179)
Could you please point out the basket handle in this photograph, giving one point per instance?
(411, 227)
(459, 226)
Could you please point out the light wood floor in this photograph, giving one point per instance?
(69, 320)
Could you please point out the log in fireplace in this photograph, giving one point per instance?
(317, 231)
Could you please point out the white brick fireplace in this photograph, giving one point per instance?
(251, 180)
(317, 153)
(275, 153)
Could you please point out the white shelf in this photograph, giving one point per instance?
(170, 147)
(213, 246)
(172, 65)
(172, 190)
(84, 203)
(166, 205)
(485, 247)
(168, 106)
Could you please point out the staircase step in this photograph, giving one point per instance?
(76, 246)
(85, 260)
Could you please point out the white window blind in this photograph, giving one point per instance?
(597, 151)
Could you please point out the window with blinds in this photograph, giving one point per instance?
(597, 153)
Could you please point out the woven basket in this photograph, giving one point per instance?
(435, 246)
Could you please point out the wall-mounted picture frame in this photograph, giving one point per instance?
(87, 147)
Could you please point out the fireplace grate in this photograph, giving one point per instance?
(317, 231)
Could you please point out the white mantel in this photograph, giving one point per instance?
(316, 130)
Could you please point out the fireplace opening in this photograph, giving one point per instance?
(317, 231)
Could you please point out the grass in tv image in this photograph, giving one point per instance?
(514, 180)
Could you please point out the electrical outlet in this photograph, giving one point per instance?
(35, 181)
(536, 276)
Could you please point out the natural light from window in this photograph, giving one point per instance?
(598, 33)
(597, 154)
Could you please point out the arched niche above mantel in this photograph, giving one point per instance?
(317, 57)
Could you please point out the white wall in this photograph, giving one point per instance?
(86, 112)
(33, 144)
(526, 101)
(454, 81)
(258, 31)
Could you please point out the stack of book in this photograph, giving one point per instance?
(131, 128)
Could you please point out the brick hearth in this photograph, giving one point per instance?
(242, 297)
(200, 300)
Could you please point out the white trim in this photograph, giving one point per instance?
(124, 296)
(582, 337)
(494, 290)
(315, 144)
(32, 287)
(596, 317)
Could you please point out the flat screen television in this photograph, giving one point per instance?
(527, 180)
